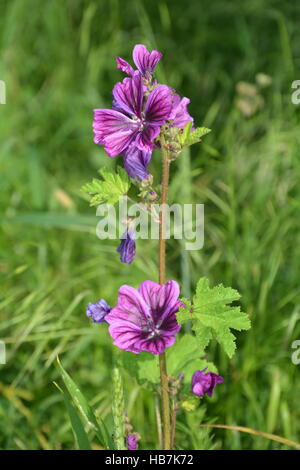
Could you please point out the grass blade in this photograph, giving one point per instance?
(272, 437)
(85, 410)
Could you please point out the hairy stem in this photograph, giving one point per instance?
(158, 419)
(164, 382)
(118, 409)
(174, 416)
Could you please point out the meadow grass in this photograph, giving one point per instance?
(57, 59)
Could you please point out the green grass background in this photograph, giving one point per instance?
(58, 61)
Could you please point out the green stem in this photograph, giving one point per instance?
(118, 409)
(164, 381)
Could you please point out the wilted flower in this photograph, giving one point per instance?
(144, 60)
(98, 311)
(132, 122)
(136, 162)
(132, 442)
(126, 246)
(144, 319)
(205, 382)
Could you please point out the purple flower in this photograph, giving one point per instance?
(144, 319)
(144, 60)
(131, 122)
(132, 443)
(136, 162)
(180, 114)
(205, 382)
(98, 311)
(126, 246)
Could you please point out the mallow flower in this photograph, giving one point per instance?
(98, 311)
(126, 247)
(144, 319)
(205, 382)
(133, 121)
(144, 60)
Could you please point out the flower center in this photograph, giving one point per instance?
(151, 330)
(141, 122)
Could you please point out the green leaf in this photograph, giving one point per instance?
(212, 315)
(109, 189)
(144, 367)
(184, 356)
(76, 423)
(84, 409)
(189, 137)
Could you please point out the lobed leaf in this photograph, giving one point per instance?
(109, 189)
(190, 137)
(212, 315)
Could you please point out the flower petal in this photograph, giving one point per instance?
(145, 140)
(128, 95)
(180, 114)
(145, 60)
(159, 105)
(124, 66)
(114, 130)
(133, 304)
(136, 162)
(161, 299)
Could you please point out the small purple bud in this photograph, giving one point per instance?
(205, 382)
(132, 443)
(98, 311)
(126, 246)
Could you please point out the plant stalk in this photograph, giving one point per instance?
(164, 381)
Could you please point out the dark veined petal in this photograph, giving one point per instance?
(158, 105)
(161, 299)
(134, 323)
(134, 305)
(145, 60)
(124, 66)
(114, 130)
(136, 162)
(128, 95)
(145, 140)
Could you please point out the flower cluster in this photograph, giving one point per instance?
(140, 107)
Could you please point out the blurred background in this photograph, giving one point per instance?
(236, 61)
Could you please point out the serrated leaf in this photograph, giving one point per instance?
(190, 137)
(213, 317)
(109, 189)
